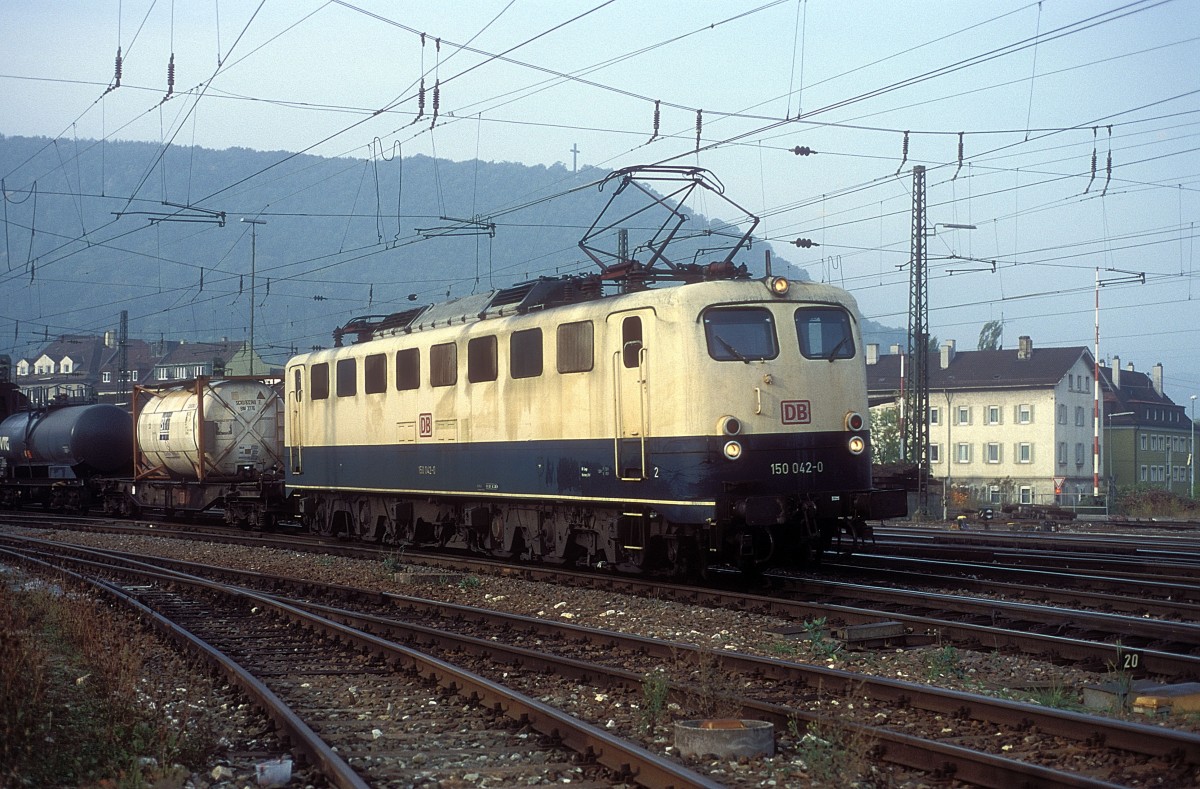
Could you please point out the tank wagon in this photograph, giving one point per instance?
(205, 446)
(49, 456)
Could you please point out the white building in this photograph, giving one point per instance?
(1006, 426)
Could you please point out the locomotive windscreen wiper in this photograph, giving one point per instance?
(734, 351)
(837, 348)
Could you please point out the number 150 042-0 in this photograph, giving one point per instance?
(800, 467)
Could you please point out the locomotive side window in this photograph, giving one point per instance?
(319, 378)
(481, 359)
(631, 341)
(824, 333)
(575, 347)
(347, 377)
(375, 373)
(443, 364)
(525, 353)
(408, 369)
(740, 334)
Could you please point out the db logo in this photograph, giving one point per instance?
(425, 425)
(795, 412)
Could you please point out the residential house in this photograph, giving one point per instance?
(67, 369)
(1147, 437)
(87, 368)
(1005, 426)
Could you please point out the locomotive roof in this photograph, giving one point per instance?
(542, 294)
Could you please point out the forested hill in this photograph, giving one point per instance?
(340, 237)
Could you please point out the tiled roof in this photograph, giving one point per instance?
(1002, 369)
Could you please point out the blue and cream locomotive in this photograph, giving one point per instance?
(672, 428)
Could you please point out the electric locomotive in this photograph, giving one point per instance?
(719, 419)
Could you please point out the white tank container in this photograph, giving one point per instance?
(242, 427)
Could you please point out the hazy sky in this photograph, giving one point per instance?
(1032, 88)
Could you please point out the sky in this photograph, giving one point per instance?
(1066, 132)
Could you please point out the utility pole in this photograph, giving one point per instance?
(916, 404)
(254, 223)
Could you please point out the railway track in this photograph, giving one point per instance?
(338, 695)
(1093, 633)
(780, 691)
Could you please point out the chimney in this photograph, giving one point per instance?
(1116, 372)
(1156, 378)
(1024, 347)
(947, 354)
(872, 353)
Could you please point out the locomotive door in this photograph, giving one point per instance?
(629, 334)
(295, 442)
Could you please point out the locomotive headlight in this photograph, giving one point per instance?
(733, 450)
(857, 445)
(729, 425)
(854, 421)
(780, 286)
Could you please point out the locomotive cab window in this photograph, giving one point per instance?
(347, 377)
(575, 347)
(408, 369)
(443, 364)
(525, 353)
(375, 373)
(740, 334)
(824, 333)
(319, 380)
(298, 383)
(481, 359)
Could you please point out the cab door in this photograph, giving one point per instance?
(295, 418)
(630, 338)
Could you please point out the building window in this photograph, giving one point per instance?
(962, 453)
(1079, 454)
(1024, 453)
(1079, 416)
(994, 494)
(1144, 477)
(993, 415)
(935, 453)
(1024, 414)
(1143, 437)
(1026, 494)
(106, 377)
(162, 374)
(935, 416)
(993, 452)
(1062, 453)
(65, 367)
(962, 415)
(198, 370)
